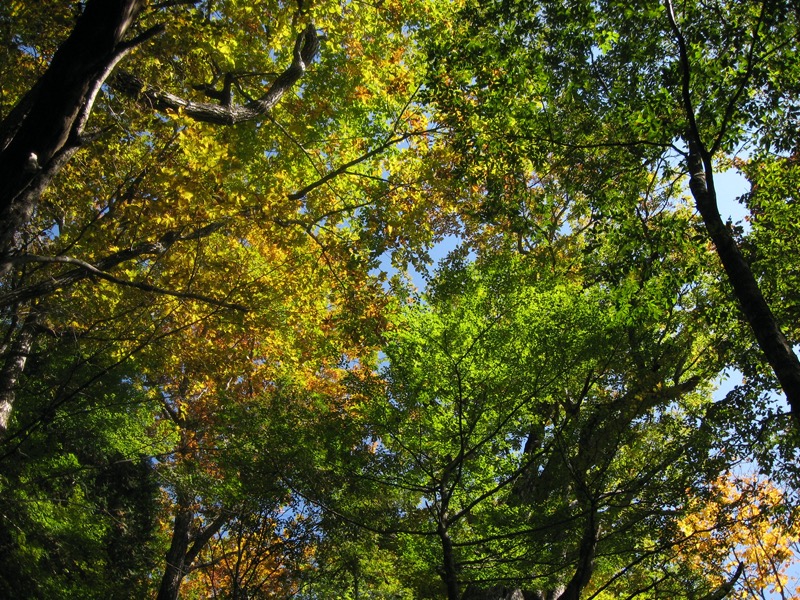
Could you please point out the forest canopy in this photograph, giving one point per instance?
(219, 378)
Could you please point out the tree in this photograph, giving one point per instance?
(744, 520)
(533, 425)
(196, 263)
(534, 435)
(80, 491)
(257, 554)
(182, 180)
(590, 91)
(46, 126)
(208, 388)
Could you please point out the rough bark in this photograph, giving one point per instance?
(42, 132)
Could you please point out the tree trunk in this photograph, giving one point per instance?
(16, 357)
(44, 129)
(174, 570)
(449, 568)
(184, 547)
(770, 337)
(585, 566)
(493, 593)
(773, 343)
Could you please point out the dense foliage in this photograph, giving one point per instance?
(218, 379)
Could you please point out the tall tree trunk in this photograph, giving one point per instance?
(175, 570)
(44, 129)
(770, 337)
(186, 544)
(773, 343)
(586, 555)
(16, 357)
(449, 568)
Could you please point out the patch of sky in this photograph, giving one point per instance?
(419, 278)
(731, 186)
(52, 232)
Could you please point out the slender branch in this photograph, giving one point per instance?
(734, 99)
(593, 145)
(726, 588)
(343, 168)
(292, 139)
(202, 539)
(405, 108)
(146, 287)
(686, 72)
(101, 267)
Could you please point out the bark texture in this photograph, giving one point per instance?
(44, 129)
(16, 355)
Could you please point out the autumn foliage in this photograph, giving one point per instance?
(420, 299)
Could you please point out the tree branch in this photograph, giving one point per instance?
(306, 47)
(726, 588)
(50, 117)
(90, 269)
(686, 79)
(343, 168)
(101, 268)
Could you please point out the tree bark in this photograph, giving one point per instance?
(449, 567)
(773, 343)
(15, 360)
(184, 547)
(586, 555)
(39, 135)
(305, 49)
(174, 570)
